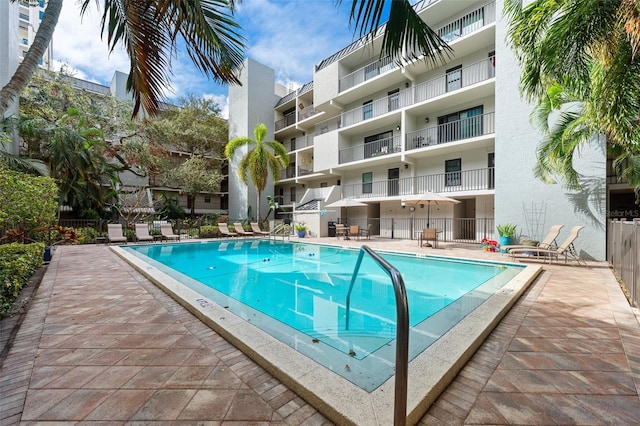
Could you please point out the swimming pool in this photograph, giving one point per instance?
(296, 293)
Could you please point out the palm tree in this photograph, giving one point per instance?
(405, 35)
(265, 156)
(149, 31)
(580, 63)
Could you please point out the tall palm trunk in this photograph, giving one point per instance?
(29, 63)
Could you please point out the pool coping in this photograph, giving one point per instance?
(332, 395)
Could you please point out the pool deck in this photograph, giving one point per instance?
(101, 343)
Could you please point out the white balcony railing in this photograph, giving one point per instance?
(460, 27)
(470, 127)
(447, 83)
(465, 180)
(373, 149)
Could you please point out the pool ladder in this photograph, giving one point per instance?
(402, 331)
(280, 230)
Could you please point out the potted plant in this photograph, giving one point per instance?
(506, 232)
(301, 229)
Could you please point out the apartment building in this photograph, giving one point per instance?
(29, 17)
(371, 130)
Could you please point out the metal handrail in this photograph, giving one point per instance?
(277, 231)
(402, 331)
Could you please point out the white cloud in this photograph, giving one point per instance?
(288, 36)
(77, 43)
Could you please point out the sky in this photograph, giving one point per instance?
(288, 36)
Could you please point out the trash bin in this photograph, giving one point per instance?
(332, 229)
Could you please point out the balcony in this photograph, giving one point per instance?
(373, 149)
(307, 112)
(365, 73)
(447, 83)
(450, 32)
(470, 127)
(285, 122)
(466, 180)
(298, 143)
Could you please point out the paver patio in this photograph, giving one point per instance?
(100, 343)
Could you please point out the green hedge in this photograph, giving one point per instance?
(17, 263)
(208, 231)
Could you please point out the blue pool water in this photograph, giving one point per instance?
(296, 292)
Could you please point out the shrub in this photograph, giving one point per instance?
(87, 234)
(17, 263)
(208, 231)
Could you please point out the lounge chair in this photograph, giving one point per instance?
(565, 249)
(240, 230)
(224, 230)
(114, 233)
(167, 232)
(428, 234)
(256, 229)
(549, 242)
(142, 232)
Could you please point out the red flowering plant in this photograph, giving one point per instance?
(489, 245)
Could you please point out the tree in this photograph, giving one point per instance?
(264, 157)
(194, 129)
(580, 65)
(149, 30)
(194, 176)
(405, 35)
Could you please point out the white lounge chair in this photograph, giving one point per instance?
(167, 232)
(256, 229)
(565, 249)
(115, 234)
(224, 230)
(240, 230)
(142, 232)
(549, 242)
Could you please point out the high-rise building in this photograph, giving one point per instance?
(370, 129)
(30, 15)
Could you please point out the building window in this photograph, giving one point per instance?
(290, 116)
(367, 185)
(492, 64)
(41, 14)
(460, 125)
(454, 78)
(394, 99)
(25, 41)
(323, 184)
(367, 110)
(452, 172)
(293, 144)
(292, 194)
(41, 3)
(24, 53)
(207, 198)
(379, 144)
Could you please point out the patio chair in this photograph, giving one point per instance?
(256, 229)
(224, 230)
(115, 234)
(549, 242)
(366, 232)
(428, 234)
(167, 232)
(340, 230)
(240, 230)
(354, 230)
(142, 232)
(565, 249)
